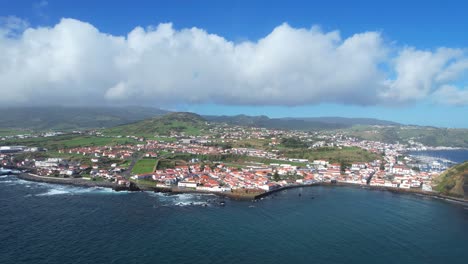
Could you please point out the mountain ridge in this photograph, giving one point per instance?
(73, 117)
(298, 123)
(180, 122)
(69, 118)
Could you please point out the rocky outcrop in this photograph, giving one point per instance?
(454, 181)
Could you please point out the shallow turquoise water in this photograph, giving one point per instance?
(43, 223)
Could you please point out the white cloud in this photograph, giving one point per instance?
(448, 94)
(75, 63)
(417, 72)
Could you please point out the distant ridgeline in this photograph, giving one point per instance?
(154, 120)
(429, 136)
(70, 118)
(454, 181)
(178, 122)
(306, 123)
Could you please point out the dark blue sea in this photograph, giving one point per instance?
(45, 223)
(456, 156)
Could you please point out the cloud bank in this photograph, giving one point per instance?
(74, 63)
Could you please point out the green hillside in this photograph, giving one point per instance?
(72, 118)
(177, 122)
(296, 123)
(454, 181)
(429, 136)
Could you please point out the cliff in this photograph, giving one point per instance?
(454, 181)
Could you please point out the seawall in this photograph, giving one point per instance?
(71, 181)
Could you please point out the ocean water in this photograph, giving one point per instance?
(45, 223)
(457, 156)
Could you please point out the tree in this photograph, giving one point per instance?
(276, 176)
(343, 166)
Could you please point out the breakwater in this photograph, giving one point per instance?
(74, 182)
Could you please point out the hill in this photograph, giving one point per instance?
(454, 181)
(297, 123)
(429, 136)
(178, 122)
(70, 118)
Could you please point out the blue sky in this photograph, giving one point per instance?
(420, 25)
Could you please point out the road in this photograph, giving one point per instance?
(136, 157)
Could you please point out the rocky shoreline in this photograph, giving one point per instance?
(70, 181)
(89, 184)
(235, 196)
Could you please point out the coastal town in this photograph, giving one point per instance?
(215, 163)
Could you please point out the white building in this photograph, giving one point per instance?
(184, 184)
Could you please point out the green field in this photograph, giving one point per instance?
(345, 154)
(13, 132)
(144, 166)
(234, 160)
(68, 141)
(145, 183)
(187, 123)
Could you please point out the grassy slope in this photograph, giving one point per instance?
(454, 181)
(427, 135)
(70, 118)
(188, 123)
(346, 154)
(68, 141)
(144, 166)
(12, 132)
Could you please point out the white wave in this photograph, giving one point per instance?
(183, 199)
(7, 181)
(57, 189)
(3, 176)
(70, 190)
(53, 192)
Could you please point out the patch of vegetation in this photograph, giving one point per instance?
(69, 118)
(147, 183)
(454, 181)
(13, 132)
(187, 123)
(235, 160)
(293, 143)
(69, 141)
(333, 154)
(429, 136)
(143, 166)
(252, 143)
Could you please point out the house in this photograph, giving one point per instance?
(187, 184)
(142, 177)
